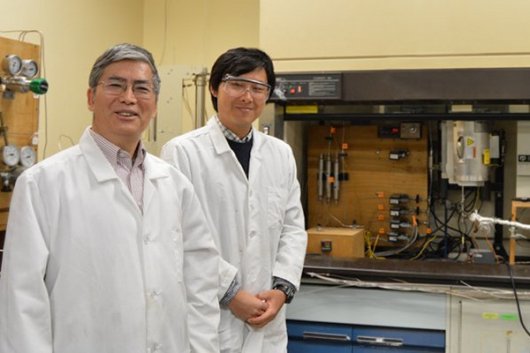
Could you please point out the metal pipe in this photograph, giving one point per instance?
(321, 177)
(336, 182)
(328, 178)
(200, 93)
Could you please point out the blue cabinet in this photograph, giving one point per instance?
(317, 337)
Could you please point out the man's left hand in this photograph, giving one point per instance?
(275, 298)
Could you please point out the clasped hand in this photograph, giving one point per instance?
(257, 310)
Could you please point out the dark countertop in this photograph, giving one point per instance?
(423, 271)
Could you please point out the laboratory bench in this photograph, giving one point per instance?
(336, 317)
(424, 271)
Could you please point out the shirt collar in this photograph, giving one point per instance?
(230, 135)
(116, 155)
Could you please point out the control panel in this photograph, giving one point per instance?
(314, 86)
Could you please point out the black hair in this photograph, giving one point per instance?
(239, 61)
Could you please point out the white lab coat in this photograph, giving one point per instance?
(115, 280)
(258, 223)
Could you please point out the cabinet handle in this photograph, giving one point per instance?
(382, 341)
(326, 336)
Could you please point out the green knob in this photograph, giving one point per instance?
(38, 86)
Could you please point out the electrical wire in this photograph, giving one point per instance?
(517, 299)
(425, 245)
(462, 237)
(370, 252)
(475, 217)
(464, 290)
(402, 249)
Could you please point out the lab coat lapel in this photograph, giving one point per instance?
(218, 138)
(221, 146)
(99, 166)
(94, 156)
(151, 173)
(255, 159)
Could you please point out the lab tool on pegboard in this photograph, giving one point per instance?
(20, 75)
(331, 169)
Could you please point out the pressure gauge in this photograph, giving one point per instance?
(12, 64)
(29, 68)
(27, 156)
(10, 155)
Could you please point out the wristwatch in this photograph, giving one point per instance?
(287, 290)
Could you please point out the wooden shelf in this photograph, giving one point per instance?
(515, 206)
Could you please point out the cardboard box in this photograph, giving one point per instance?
(336, 242)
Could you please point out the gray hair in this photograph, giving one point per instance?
(119, 52)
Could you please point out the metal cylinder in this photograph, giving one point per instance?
(336, 181)
(328, 178)
(471, 139)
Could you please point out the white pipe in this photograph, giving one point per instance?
(475, 217)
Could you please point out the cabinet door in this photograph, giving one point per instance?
(488, 326)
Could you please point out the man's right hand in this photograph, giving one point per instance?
(245, 305)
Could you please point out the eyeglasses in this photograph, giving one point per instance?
(116, 87)
(237, 86)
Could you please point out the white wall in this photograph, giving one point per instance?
(380, 34)
(193, 33)
(196, 32)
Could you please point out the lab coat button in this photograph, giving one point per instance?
(147, 239)
(154, 294)
(154, 348)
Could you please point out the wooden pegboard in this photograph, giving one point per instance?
(372, 177)
(20, 114)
